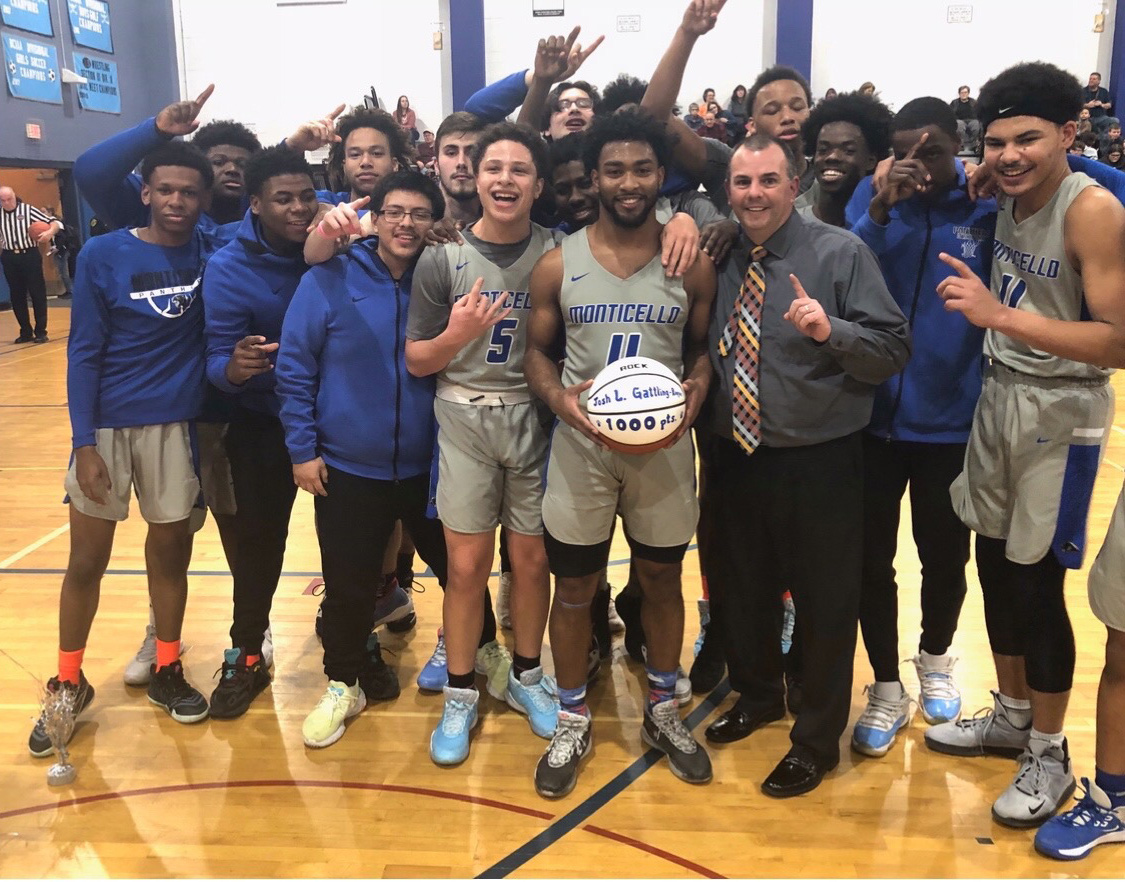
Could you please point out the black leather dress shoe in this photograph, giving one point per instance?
(738, 722)
(793, 776)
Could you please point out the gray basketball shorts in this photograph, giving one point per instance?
(1033, 454)
(1106, 586)
(587, 486)
(214, 468)
(490, 467)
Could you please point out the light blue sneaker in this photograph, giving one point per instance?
(434, 675)
(1092, 822)
(534, 696)
(789, 619)
(878, 725)
(704, 622)
(449, 745)
(938, 696)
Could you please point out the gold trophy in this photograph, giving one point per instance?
(58, 722)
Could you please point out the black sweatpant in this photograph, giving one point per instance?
(23, 271)
(789, 517)
(264, 492)
(942, 542)
(354, 523)
(1025, 613)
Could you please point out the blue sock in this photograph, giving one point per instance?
(573, 701)
(661, 686)
(1114, 785)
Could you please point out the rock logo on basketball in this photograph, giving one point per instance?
(637, 403)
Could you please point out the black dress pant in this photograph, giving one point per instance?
(941, 538)
(790, 517)
(354, 523)
(23, 271)
(264, 492)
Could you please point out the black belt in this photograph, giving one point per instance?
(22, 250)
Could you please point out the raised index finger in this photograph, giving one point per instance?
(913, 150)
(335, 113)
(960, 267)
(571, 38)
(359, 203)
(798, 288)
(202, 97)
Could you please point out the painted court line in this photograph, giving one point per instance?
(38, 543)
(577, 816)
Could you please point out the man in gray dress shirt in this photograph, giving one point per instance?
(789, 510)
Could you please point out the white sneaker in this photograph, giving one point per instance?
(138, 671)
(504, 602)
(616, 624)
(1043, 784)
(326, 723)
(938, 696)
(267, 648)
(683, 688)
(878, 726)
(988, 731)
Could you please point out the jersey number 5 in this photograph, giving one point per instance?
(500, 344)
(623, 346)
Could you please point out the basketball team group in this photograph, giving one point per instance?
(847, 310)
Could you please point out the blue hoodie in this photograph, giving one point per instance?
(346, 395)
(104, 175)
(247, 289)
(933, 398)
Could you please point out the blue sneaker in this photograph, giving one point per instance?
(449, 745)
(434, 675)
(938, 696)
(533, 695)
(878, 725)
(394, 609)
(1092, 822)
(704, 622)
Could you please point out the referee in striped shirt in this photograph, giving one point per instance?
(23, 264)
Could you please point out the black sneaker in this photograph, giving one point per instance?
(378, 680)
(664, 730)
(557, 770)
(39, 744)
(168, 689)
(24, 338)
(593, 660)
(239, 684)
(709, 666)
(318, 626)
(629, 608)
(599, 612)
(41, 338)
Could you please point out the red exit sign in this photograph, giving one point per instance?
(34, 131)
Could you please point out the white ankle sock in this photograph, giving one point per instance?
(887, 691)
(933, 662)
(1040, 741)
(1017, 710)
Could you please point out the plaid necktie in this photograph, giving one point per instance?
(743, 335)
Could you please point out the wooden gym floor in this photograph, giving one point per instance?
(247, 799)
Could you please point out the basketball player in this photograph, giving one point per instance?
(616, 260)
(1054, 323)
(135, 384)
(491, 441)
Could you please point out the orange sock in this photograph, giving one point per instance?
(703, 585)
(252, 660)
(70, 663)
(167, 653)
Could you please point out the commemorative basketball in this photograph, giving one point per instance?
(637, 403)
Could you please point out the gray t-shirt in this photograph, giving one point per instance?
(494, 361)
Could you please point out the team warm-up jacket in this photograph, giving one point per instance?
(247, 288)
(346, 395)
(135, 355)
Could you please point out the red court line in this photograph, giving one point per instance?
(359, 785)
(653, 850)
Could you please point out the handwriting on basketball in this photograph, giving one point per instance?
(638, 393)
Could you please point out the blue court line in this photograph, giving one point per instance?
(599, 798)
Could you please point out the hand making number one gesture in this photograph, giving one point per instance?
(806, 314)
(181, 118)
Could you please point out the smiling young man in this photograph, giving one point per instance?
(587, 485)
(922, 416)
(1054, 322)
(468, 326)
(135, 385)
(248, 287)
(371, 145)
(342, 354)
(848, 134)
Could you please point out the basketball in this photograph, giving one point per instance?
(636, 404)
(36, 229)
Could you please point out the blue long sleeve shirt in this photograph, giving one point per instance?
(500, 99)
(104, 174)
(247, 289)
(346, 395)
(135, 353)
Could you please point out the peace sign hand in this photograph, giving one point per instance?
(807, 315)
(180, 118)
(552, 56)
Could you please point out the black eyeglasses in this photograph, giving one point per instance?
(418, 215)
(580, 103)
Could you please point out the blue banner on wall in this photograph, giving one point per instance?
(28, 15)
(101, 91)
(32, 69)
(89, 24)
